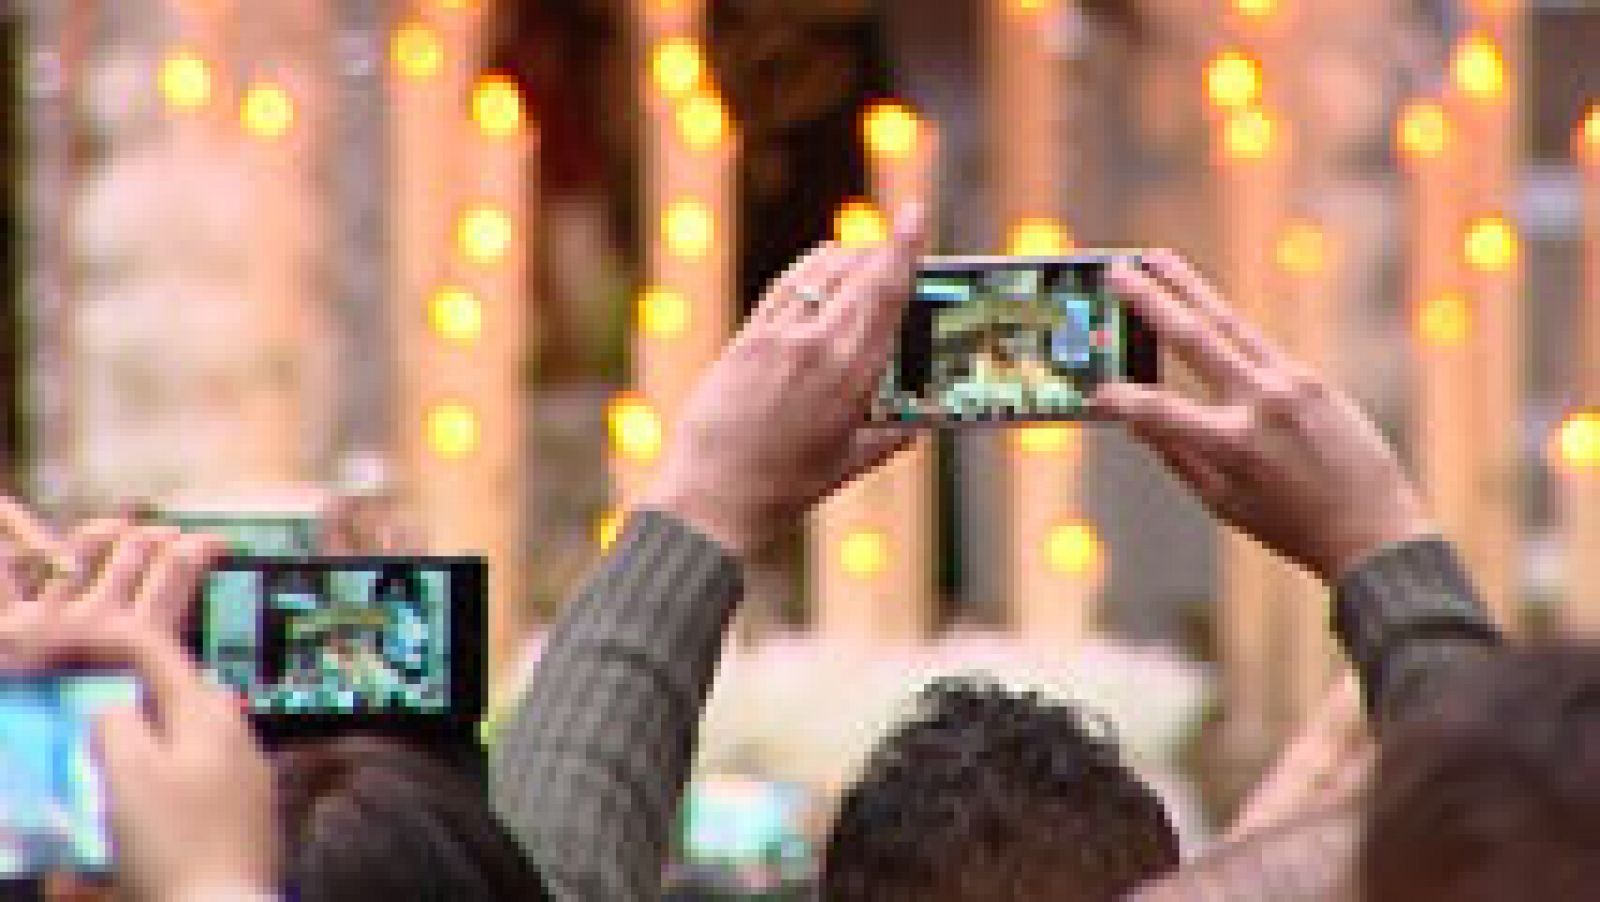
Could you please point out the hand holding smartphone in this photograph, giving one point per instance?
(996, 340)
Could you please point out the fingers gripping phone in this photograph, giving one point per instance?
(990, 340)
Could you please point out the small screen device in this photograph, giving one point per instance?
(1012, 339)
(262, 534)
(52, 800)
(322, 646)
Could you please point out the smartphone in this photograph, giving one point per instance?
(991, 340)
(318, 646)
(262, 534)
(52, 800)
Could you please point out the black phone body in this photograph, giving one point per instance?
(1000, 340)
(318, 647)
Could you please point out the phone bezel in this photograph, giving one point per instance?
(459, 723)
(1141, 351)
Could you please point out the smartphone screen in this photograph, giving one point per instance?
(52, 801)
(993, 340)
(323, 645)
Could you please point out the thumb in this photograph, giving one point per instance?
(122, 740)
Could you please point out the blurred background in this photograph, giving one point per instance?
(459, 260)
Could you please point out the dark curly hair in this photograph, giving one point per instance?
(987, 793)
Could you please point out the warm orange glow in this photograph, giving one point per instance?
(635, 428)
(1046, 440)
(859, 223)
(416, 52)
(1425, 131)
(864, 553)
(689, 228)
(1233, 81)
(455, 314)
(1038, 237)
(607, 529)
(453, 430)
(703, 121)
(1032, 7)
(663, 313)
(267, 111)
(677, 66)
(1577, 442)
(497, 106)
(1478, 69)
(1491, 245)
(1302, 249)
(185, 80)
(891, 130)
(1248, 135)
(1255, 9)
(1073, 549)
(485, 233)
(1444, 321)
(1587, 138)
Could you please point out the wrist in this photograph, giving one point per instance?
(705, 514)
(1349, 555)
(235, 890)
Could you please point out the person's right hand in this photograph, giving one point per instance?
(1277, 452)
(780, 419)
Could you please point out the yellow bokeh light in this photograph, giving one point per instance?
(185, 80)
(677, 66)
(416, 51)
(1033, 7)
(1491, 245)
(1038, 237)
(1302, 249)
(497, 106)
(891, 130)
(1478, 69)
(1073, 549)
(453, 430)
(455, 314)
(1051, 439)
(1588, 136)
(1255, 9)
(485, 233)
(1233, 81)
(663, 313)
(1576, 444)
(636, 431)
(1444, 321)
(859, 223)
(267, 111)
(1425, 131)
(1248, 135)
(607, 529)
(689, 228)
(864, 553)
(703, 121)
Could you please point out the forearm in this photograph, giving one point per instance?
(1408, 616)
(589, 771)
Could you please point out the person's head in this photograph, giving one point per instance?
(1494, 792)
(367, 818)
(987, 794)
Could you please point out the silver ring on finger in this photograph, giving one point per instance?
(812, 296)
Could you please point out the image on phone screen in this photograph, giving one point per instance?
(1010, 339)
(52, 800)
(334, 637)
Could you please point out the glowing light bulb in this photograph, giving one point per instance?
(416, 52)
(185, 80)
(456, 315)
(1425, 131)
(1444, 321)
(689, 228)
(1588, 136)
(1478, 69)
(267, 111)
(635, 428)
(485, 233)
(677, 66)
(1577, 441)
(703, 121)
(1038, 237)
(1302, 249)
(663, 313)
(607, 529)
(453, 430)
(891, 130)
(1233, 81)
(1491, 245)
(497, 106)
(1255, 9)
(864, 553)
(1248, 135)
(859, 223)
(1046, 440)
(1073, 549)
